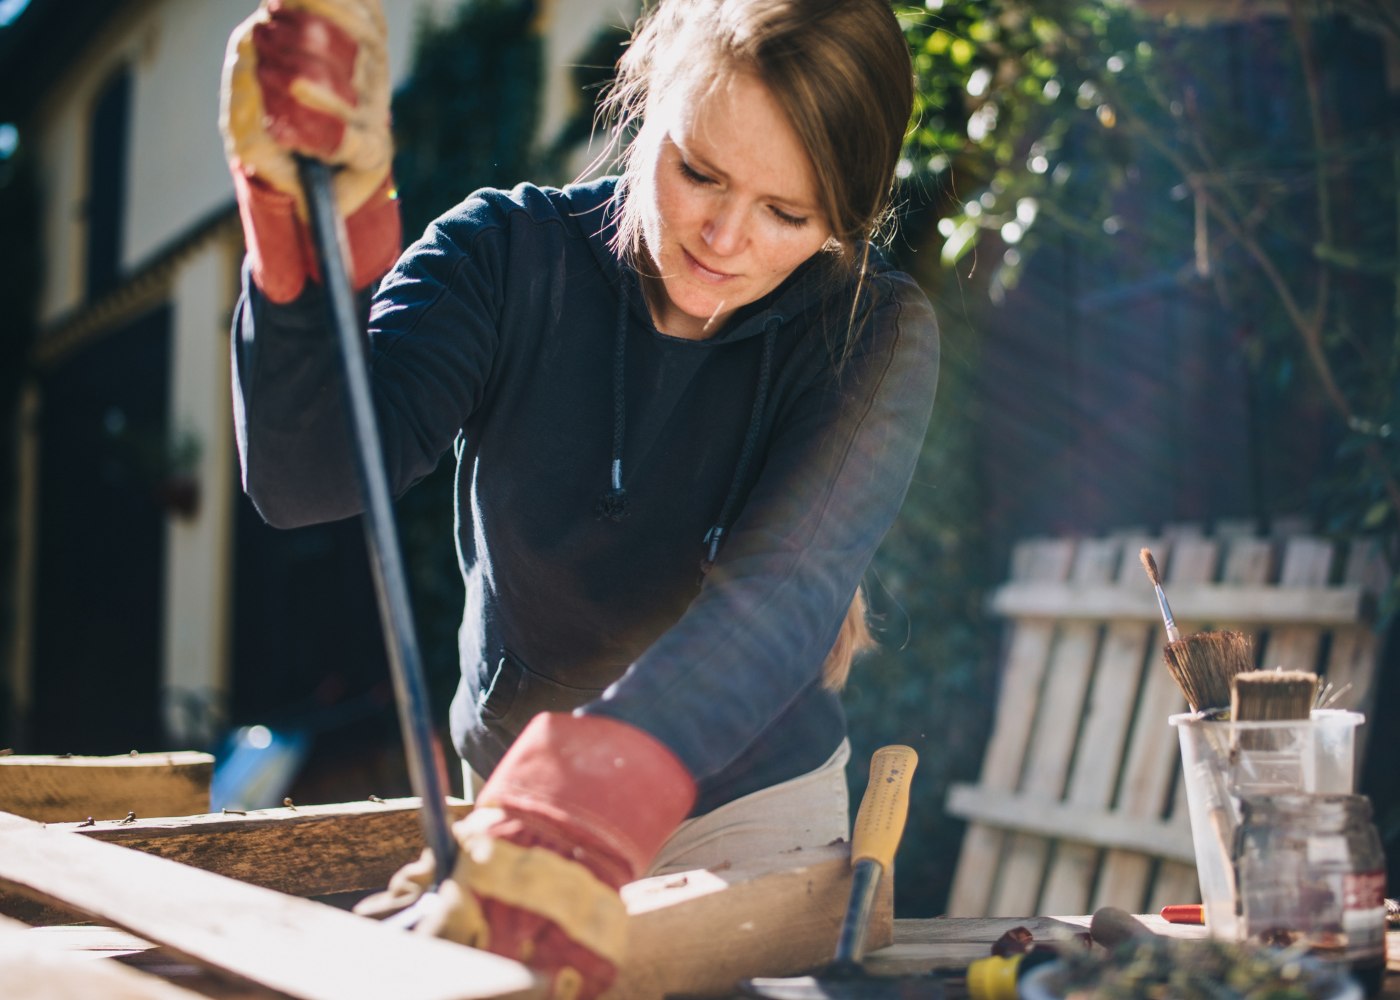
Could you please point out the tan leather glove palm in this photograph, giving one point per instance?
(578, 806)
(310, 77)
(514, 891)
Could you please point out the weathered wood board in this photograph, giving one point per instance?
(694, 932)
(316, 850)
(293, 946)
(67, 788)
(33, 969)
(699, 933)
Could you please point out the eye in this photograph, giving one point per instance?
(795, 221)
(693, 175)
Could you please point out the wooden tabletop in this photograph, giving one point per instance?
(920, 946)
(943, 943)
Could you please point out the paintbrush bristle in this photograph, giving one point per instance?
(1150, 564)
(1272, 695)
(1204, 664)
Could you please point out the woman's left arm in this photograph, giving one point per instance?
(836, 472)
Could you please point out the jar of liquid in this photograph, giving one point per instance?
(1310, 872)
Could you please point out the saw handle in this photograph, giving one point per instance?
(879, 827)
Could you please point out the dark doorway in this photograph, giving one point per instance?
(101, 545)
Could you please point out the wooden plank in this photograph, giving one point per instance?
(1307, 562)
(1054, 731)
(295, 946)
(67, 788)
(693, 932)
(699, 933)
(1353, 659)
(1119, 673)
(315, 850)
(108, 945)
(947, 943)
(30, 970)
(1051, 818)
(1193, 604)
(1152, 758)
(1028, 648)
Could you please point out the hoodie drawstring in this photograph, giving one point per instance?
(612, 504)
(715, 536)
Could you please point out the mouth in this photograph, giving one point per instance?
(703, 272)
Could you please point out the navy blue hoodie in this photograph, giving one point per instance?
(512, 335)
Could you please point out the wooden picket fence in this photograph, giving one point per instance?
(1079, 802)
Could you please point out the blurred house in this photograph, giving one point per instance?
(150, 606)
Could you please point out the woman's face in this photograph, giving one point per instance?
(729, 205)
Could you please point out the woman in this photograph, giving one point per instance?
(685, 406)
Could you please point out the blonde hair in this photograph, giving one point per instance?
(853, 640)
(840, 69)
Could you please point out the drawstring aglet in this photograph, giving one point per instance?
(613, 504)
(712, 540)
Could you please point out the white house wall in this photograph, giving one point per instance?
(198, 604)
(175, 171)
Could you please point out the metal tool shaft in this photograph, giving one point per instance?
(425, 762)
(865, 879)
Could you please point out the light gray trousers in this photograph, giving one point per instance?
(811, 810)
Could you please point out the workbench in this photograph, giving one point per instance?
(920, 946)
(950, 943)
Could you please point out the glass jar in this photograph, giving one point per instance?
(1310, 872)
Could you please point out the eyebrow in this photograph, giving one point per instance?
(708, 167)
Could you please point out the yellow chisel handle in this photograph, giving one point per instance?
(885, 805)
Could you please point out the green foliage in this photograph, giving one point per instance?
(466, 117)
(1246, 158)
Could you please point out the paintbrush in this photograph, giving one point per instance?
(1269, 759)
(1150, 564)
(1202, 663)
(1272, 695)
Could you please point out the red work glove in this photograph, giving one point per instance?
(579, 806)
(310, 77)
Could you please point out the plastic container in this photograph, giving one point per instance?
(1223, 761)
(1311, 873)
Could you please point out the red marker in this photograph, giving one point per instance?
(1184, 913)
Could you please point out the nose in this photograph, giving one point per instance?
(723, 231)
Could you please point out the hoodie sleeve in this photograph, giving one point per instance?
(433, 334)
(837, 468)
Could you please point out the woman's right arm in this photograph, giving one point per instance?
(312, 80)
(433, 332)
